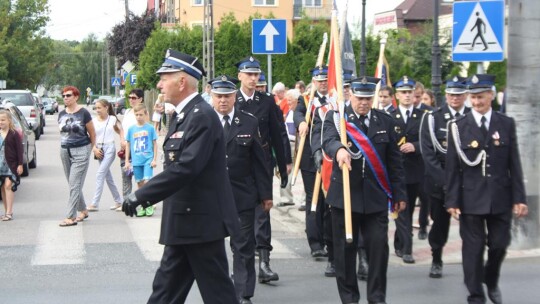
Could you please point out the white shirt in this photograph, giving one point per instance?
(184, 102)
(247, 97)
(404, 110)
(129, 119)
(105, 129)
(366, 122)
(478, 117)
(454, 111)
(231, 115)
(289, 126)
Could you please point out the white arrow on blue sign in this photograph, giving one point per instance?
(478, 31)
(269, 36)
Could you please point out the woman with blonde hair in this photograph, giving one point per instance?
(11, 162)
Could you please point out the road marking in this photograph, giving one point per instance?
(59, 245)
(145, 232)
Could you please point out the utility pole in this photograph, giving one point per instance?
(108, 80)
(126, 4)
(363, 56)
(208, 39)
(522, 100)
(436, 80)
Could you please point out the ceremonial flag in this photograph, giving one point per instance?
(348, 61)
(383, 72)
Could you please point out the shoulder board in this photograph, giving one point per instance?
(382, 112)
(436, 110)
(461, 117)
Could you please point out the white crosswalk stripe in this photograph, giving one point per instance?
(145, 232)
(59, 246)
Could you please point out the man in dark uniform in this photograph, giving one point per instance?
(385, 99)
(484, 183)
(250, 181)
(318, 223)
(273, 138)
(370, 131)
(198, 205)
(407, 129)
(433, 141)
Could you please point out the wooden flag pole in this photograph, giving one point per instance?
(320, 58)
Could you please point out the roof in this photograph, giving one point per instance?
(421, 9)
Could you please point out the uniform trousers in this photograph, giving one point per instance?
(472, 229)
(104, 175)
(374, 229)
(75, 162)
(403, 234)
(314, 220)
(438, 235)
(263, 229)
(182, 264)
(423, 215)
(243, 248)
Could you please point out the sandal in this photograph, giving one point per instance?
(92, 208)
(68, 222)
(82, 216)
(7, 217)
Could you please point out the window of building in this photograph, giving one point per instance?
(265, 2)
(312, 3)
(197, 2)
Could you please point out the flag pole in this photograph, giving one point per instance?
(343, 132)
(320, 58)
(379, 71)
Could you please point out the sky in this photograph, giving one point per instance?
(76, 19)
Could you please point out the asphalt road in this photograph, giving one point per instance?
(112, 259)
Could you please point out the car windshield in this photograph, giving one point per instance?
(18, 99)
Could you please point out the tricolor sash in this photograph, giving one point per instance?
(326, 167)
(362, 142)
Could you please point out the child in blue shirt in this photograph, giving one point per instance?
(142, 153)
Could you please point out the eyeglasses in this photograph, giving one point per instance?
(66, 95)
(133, 97)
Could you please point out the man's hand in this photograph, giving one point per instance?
(400, 206)
(284, 180)
(130, 205)
(317, 159)
(454, 212)
(267, 205)
(302, 129)
(520, 210)
(407, 148)
(343, 157)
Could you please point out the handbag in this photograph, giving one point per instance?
(103, 141)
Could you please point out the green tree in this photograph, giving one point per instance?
(24, 51)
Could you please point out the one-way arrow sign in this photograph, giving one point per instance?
(269, 36)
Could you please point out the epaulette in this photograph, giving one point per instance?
(461, 117)
(381, 112)
(436, 110)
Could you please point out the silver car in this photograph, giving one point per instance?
(26, 103)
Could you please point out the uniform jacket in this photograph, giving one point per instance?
(434, 160)
(271, 125)
(366, 194)
(412, 162)
(502, 186)
(198, 204)
(248, 171)
(299, 116)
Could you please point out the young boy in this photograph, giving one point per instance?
(141, 139)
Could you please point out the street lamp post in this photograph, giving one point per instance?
(436, 56)
(363, 48)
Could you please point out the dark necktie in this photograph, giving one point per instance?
(226, 126)
(457, 115)
(483, 126)
(363, 123)
(248, 101)
(322, 100)
(407, 113)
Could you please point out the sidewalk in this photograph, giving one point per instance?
(294, 219)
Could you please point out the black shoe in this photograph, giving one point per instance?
(285, 204)
(399, 253)
(494, 294)
(422, 234)
(408, 258)
(436, 270)
(302, 208)
(319, 253)
(245, 301)
(330, 270)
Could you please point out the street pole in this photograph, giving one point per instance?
(436, 56)
(363, 50)
(269, 76)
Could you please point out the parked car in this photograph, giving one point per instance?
(28, 137)
(48, 105)
(110, 99)
(120, 105)
(42, 113)
(26, 103)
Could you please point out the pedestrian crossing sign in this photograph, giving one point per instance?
(478, 31)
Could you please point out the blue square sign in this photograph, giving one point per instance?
(478, 31)
(269, 36)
